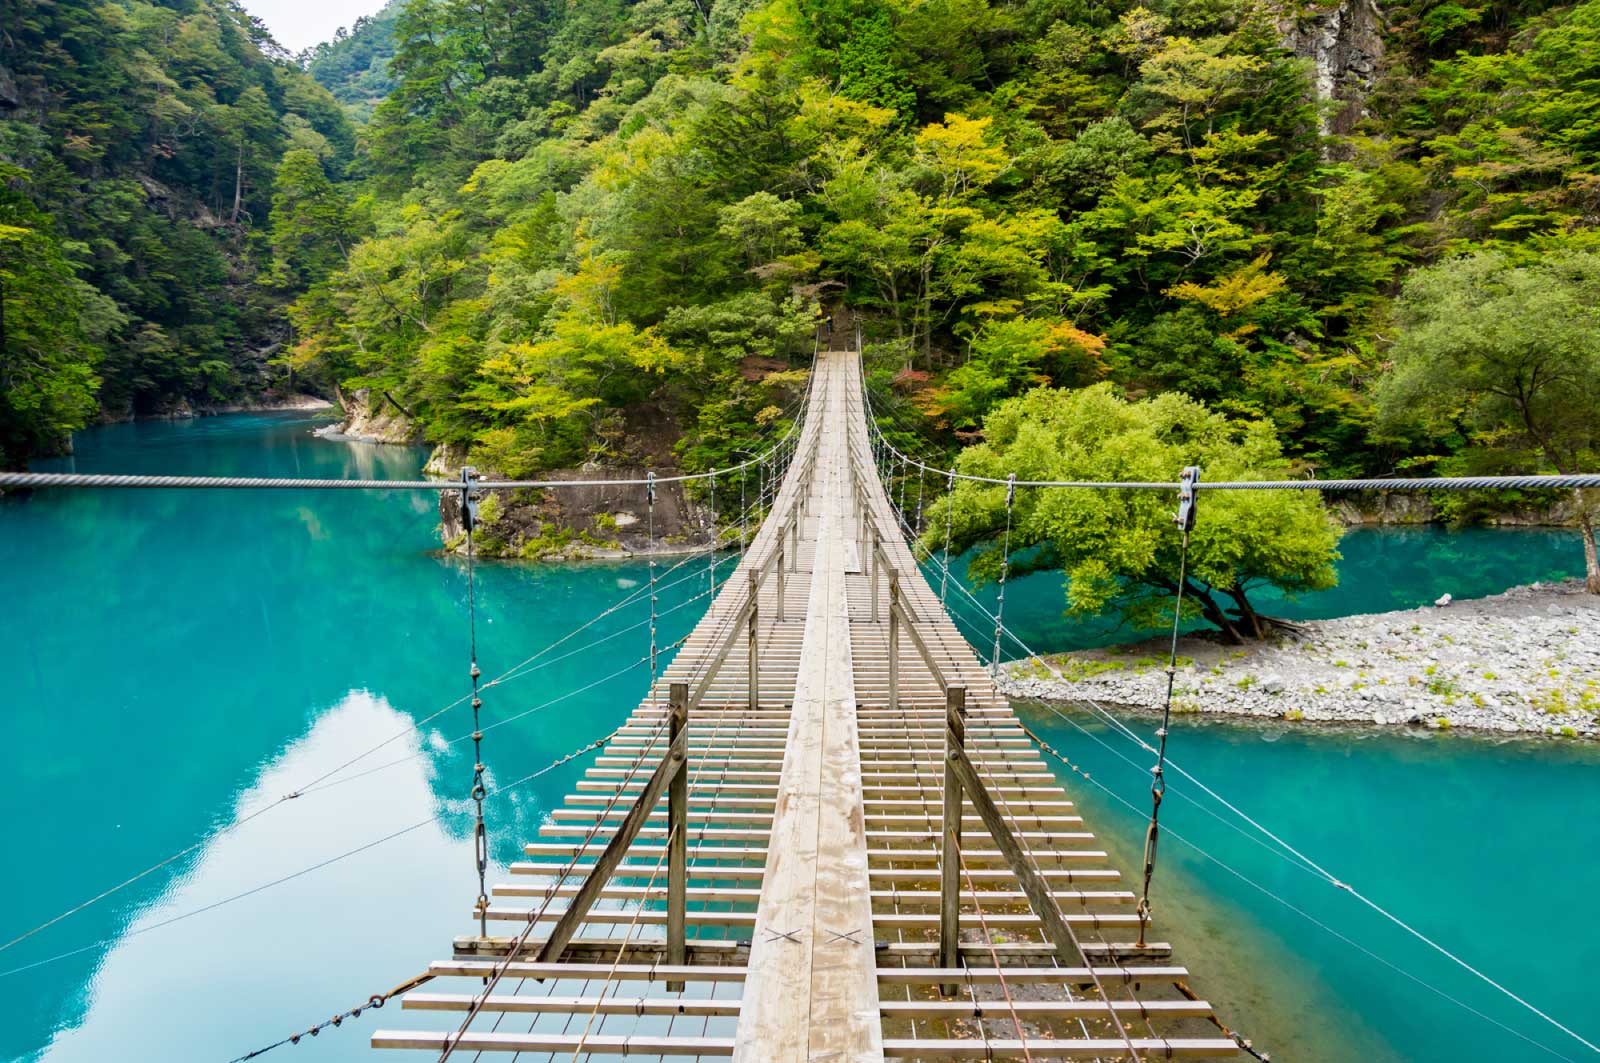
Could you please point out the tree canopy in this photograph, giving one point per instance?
(1507, 355)
(1120, 549)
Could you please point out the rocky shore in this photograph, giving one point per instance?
(1526, 661)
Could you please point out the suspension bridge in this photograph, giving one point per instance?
(823, 834)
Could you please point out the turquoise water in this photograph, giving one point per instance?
(1381, 569)
(1487, 847)
(176, 661)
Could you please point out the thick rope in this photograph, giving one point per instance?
(1432, 483)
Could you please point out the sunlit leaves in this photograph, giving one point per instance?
(1120, 549)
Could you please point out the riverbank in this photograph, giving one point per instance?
(1525, 661)
(183, 410)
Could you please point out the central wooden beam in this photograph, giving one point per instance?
(812, 990)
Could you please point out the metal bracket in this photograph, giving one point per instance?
(469, 505)
(1188, 495)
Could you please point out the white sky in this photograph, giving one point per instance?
(299, 24)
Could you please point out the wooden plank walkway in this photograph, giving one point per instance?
(815, 825)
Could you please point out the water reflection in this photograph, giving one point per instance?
(255, 969)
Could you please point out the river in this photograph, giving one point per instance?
(177, 662)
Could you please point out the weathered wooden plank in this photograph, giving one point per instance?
(597, 1044)
(599, 1005)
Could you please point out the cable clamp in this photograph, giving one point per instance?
(1188, 482)
(469, 505)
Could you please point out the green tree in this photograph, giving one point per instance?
(47, 333)
(1120, 549)
(1510, 353)
(311, 222)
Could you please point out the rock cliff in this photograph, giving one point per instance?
(372, 417)
(1344, 43)
(573, 523)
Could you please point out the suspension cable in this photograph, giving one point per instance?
(1005, 569)
(1290, 850)
(650, 551)
(1301, 859)
(1158, 780)
(512, 673)
(921, 483)
(375, 1001)
(949, 524)
(480, 834)
(716, 533)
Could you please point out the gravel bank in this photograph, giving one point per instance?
(1527, 660)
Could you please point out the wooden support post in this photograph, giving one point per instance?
(678, 843)
(955, 735)
(894, 639)
(780, 574)
(1033, 884)
(755, 623)
(794, 545)
(872, 573)
(615, 850)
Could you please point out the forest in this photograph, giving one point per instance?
(530, 224)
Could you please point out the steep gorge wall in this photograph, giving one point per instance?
(1344, 44)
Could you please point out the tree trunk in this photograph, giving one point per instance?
(1247, 612)
(238, 184)
(1591, 559)
(396, 404)
(1214, 614)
